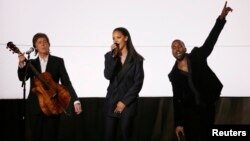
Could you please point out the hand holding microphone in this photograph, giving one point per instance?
(115, 50)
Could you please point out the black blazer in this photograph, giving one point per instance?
(125, 83)
(56, 68)
(204, 79)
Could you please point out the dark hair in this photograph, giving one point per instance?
(180, 41)
(37, 36)
(130, 46)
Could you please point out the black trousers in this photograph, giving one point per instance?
(112, 125)
(44, 128)
(198, 122)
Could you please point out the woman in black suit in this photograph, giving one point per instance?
(45, 127)
(124, 70)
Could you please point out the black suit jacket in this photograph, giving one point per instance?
(204, 79)
(125, 83)
(56, 68)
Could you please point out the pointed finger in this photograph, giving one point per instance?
(225, 4)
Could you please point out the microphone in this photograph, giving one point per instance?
(113, 50)
(30, 50)
(117, 45)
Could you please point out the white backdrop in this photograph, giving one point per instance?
(80, 31)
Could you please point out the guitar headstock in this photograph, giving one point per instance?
(12, 47)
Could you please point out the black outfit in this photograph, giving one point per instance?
(125, 84)
(43, 127)
(196, 91)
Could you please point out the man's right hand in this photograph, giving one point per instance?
(179, 130)
(225, 11)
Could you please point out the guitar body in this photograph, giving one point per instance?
(53, 98)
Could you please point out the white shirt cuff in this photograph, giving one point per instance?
(77, 102)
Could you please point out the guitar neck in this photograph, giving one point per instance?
(15, 49)
(37, 74)
(35, 71)
(30, 65)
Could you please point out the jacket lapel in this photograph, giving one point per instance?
(127, 65)
(37, 65)
(49, 64)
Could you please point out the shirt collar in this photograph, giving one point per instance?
(44, 60)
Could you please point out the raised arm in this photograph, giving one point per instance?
(208, 45)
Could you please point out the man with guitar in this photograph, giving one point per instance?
(46, 98)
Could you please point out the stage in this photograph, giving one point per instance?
(154, 121)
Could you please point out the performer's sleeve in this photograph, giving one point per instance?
(110, 65)
(133, 92)
(177, 105)
(21, 72)
(209, 44)
(65, 80)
